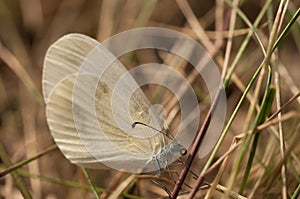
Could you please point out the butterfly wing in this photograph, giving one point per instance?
(64, 58)
(80, 113)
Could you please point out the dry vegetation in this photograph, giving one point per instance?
(27, 29)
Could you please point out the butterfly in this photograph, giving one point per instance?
(96, 112)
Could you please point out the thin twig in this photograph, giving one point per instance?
(195, 146)
(20, 164)
(283, 106)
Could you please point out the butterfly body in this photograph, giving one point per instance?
(166, 155)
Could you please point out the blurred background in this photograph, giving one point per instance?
(28, 28)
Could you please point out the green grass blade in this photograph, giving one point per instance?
(18, 180)
(262, 116)
(92, 186)
(296, 192)
(286, 29)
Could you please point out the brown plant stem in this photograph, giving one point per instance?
(196, 146)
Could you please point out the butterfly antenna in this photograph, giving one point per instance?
(141, 123)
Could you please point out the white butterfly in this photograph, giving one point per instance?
(91, 108)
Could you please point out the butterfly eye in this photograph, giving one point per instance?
(183, 151)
